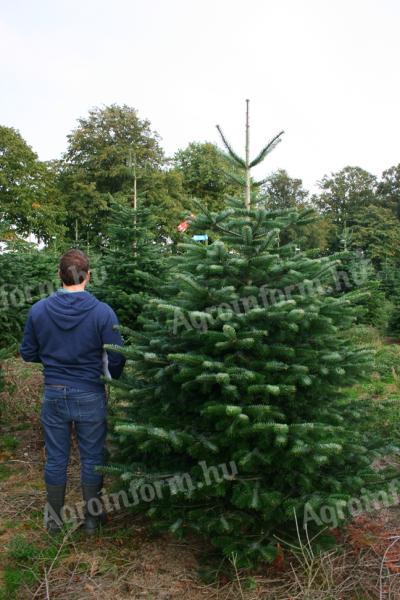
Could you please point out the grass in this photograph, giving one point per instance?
(26, 563)
(5, 472)
(387, 356)
(14, 578)
(9, 442)
(23, 385)
(383, 385)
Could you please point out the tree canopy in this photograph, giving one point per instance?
(102, 155)
(344, 193)
(28, 198)
(205, 173)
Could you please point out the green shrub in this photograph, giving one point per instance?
(21, 549)
(387, 361)
(362, 334)
(25, 277)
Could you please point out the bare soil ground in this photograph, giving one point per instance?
(129, 562)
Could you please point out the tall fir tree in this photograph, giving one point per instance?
(132, 262)
(356, 270)
(231, 418)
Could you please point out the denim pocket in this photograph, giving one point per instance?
(51, 394)
(80, 391)
(90, 406)
(50, 406)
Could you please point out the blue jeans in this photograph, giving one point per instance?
(62, 406)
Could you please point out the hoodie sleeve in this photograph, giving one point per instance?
(116, 361)
(29, 349)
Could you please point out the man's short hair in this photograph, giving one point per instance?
(74, 266)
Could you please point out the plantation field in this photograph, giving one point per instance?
(255, 344)
(132, 561)
(200, 300)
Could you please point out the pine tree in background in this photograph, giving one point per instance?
(26, 275)
(3, 356)
(390, 283)
(235, 382)
(357, 271)
(132, 262)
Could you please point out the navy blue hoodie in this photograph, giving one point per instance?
(66, 332)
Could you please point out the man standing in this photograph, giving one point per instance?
(66, 332)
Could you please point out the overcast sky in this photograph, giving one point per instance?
(325, 71)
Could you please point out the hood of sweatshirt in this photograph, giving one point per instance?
(69, 310)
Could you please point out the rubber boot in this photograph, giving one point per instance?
(55, 502)
(94, 517)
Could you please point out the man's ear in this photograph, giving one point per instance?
(88, 276)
